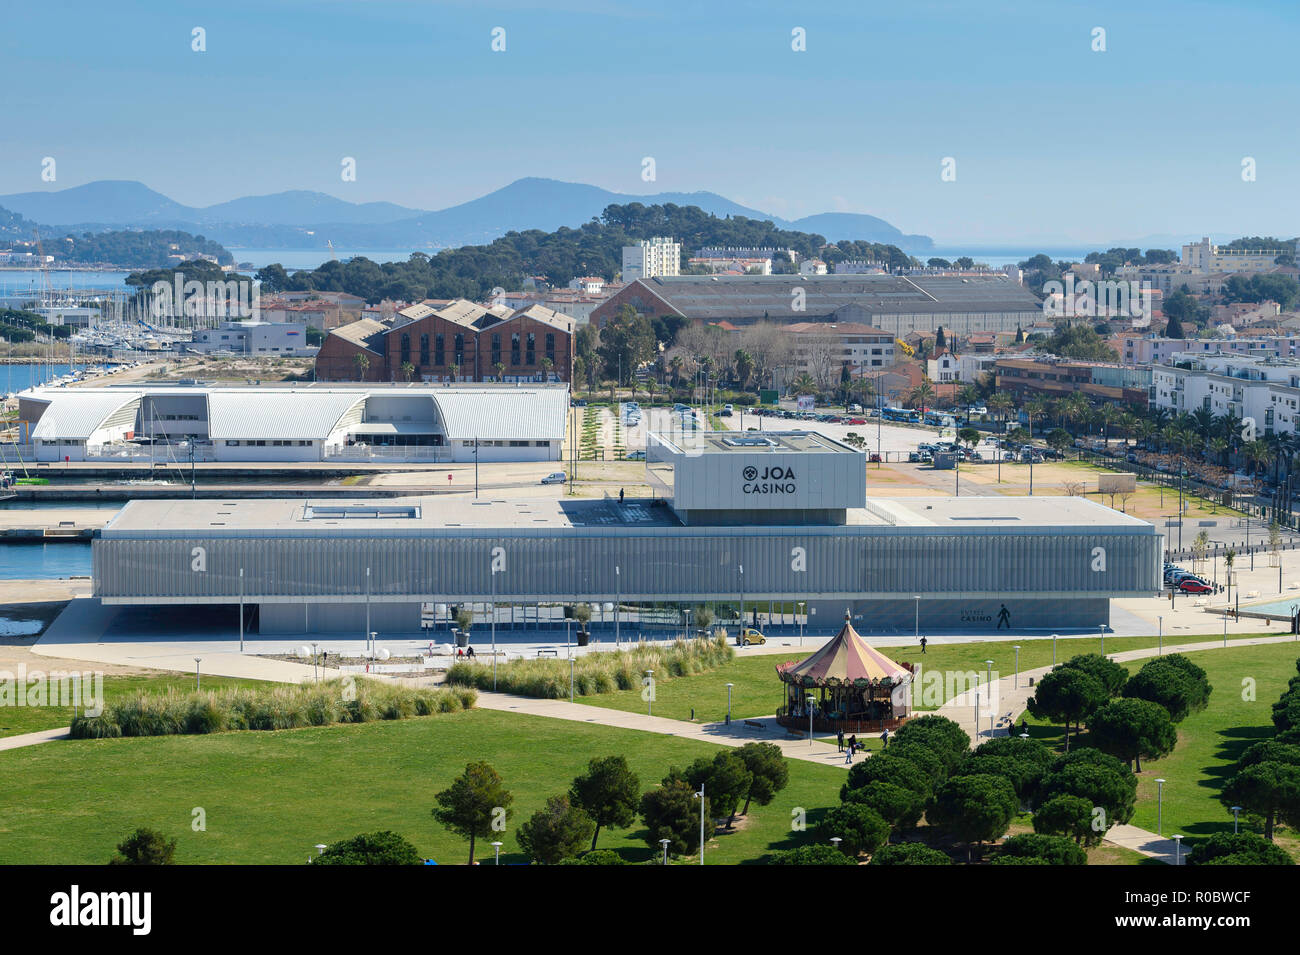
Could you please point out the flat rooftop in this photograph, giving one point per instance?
(447, 516)
(751, 442)
(999, 512)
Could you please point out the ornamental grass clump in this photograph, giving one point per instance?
(595, 673)
(344, 700)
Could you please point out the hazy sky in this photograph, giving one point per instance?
(1052, 141)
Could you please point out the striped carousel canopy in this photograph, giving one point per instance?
(848, 659)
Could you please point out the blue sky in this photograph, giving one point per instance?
(1053, 142)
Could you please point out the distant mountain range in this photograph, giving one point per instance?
(303, 220)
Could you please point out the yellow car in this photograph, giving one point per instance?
(750, 637)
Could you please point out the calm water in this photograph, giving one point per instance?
(312, 258)
(44, 561)
(29, 281)
(15, 377)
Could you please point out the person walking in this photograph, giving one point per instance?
(885, 738)
(839, 741)
(923, 643)
(620, 495)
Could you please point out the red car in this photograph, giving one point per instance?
(856, 421)
(1189, 586)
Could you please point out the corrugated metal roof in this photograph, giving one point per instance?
(273, 415)
(507, 414)
(74, 414)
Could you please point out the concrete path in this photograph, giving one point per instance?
(32, 739)
(737, 734)
(1147, 843)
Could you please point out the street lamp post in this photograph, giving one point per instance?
(568, 648)
(1101, 632)
(664, 843)
(810, 719)
(241, 610)
(742, 603)
(700, 796)
(1053, 649)
(1235, 811)
(801, 622)
(367, 603)
(618, 600)
(1160, 805)
(492, 609)
(1160, 645)
(835, 841)
(729, 686)
(1017, 649)
(916, 621)
(1178, 848)
(650, 692)
(497, 846)
(198, 676)
(977, 710)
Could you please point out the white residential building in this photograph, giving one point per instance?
(650, 258)
(1265, 390)
(1160, 351)
(965, 369)
(1203, 257)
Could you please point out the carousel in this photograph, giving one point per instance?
(854, 687)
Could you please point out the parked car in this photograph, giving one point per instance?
(555, 477)
(874, 459)
(637, 455)
(855, 409)
(1190, 585)
(727, 410)
(748, 637)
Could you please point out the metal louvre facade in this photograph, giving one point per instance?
(653, 564)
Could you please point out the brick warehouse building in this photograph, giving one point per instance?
(459, 341)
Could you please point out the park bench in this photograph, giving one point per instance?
(548, 653)
(795, 733)
(754, 723)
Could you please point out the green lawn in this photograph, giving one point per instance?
(270, 796)
(1210, 742)
(16, 720)
(758, 692)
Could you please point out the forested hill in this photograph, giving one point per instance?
(127, 248)
(595, 248)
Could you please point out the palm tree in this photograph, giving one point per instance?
(362, 361)
(804, 384)
(968, 395)
(1034, 408)
(1203, 420)
(921, 396)
(1218, 449)
(1256, 453)
(408, 370)
(1000, 404)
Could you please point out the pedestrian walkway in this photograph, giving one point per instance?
(1147, 843)
(737, 733)
(33, 739)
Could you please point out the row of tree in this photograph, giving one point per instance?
(477, 805)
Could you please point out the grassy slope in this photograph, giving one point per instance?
(271, 796)
(15, 720)
(1209, 742)
(758, 692)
